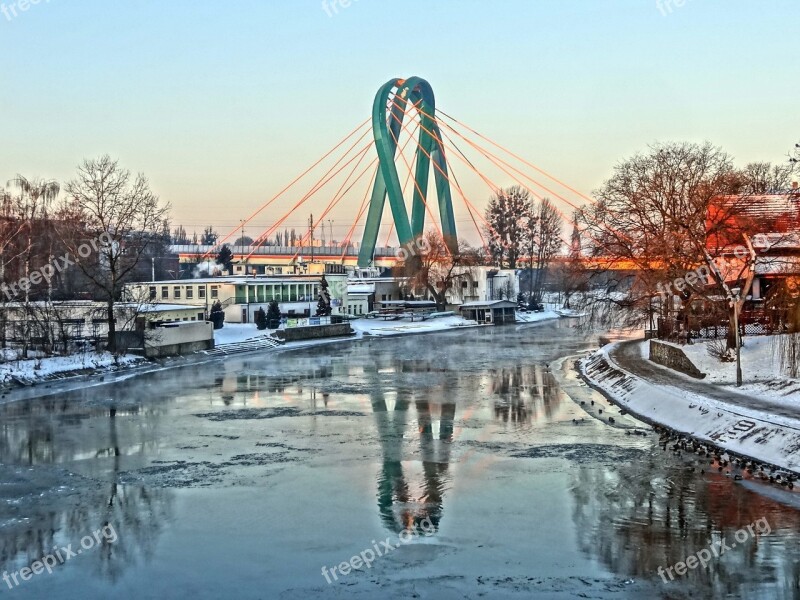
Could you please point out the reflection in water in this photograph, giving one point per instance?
(54, 506)
(646, 515)
(400, 505)
(72, 463)
(524, 393)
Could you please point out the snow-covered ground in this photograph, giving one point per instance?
(761, 375)
(535, 317)
(767, 437)
(37, 369)
(233, 333)
(379, 327)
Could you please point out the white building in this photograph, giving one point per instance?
(242, 296)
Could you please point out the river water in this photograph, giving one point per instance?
(259, 476)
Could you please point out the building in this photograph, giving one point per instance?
(63, 324)
(772, 222)
(490, 312)
(242, 296)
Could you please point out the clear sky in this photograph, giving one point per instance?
(222, 103)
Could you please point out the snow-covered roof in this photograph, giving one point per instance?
(360, 288)
(162, 307)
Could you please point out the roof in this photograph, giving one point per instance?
(409, 303)
(242, 279)
(759, 214)
(360, 288)
(489, 304)
(161, 307)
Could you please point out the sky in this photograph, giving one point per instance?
(221, 104)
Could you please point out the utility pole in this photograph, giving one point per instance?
(737, 337)
(311, 228)
(241, 247)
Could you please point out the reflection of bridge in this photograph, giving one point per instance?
(411, 135)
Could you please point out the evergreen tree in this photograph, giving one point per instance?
(225, 258)
(324, 301)
(273, 315)
(261, 319)
(217, 315)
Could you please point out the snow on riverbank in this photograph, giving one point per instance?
(378, 327)
(761, 373)
(40, 369)
(234, 333)
(756, 434)
(536, 317)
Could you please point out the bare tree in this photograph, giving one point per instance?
(664, 214)
(34, 201)
(545, 242)
(766, 178)
(509, 218)
(434, 270)
(123, 213)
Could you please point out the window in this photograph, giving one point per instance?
(215, 291)
(164, 292)
(176, 291)
(201, 317)
(201, 292)
(189, 292)
(152, 292)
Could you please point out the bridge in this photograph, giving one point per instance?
(406, 133)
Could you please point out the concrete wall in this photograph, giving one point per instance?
(182, 338)
(673, 357)
(294, 334)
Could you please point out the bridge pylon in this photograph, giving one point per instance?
(388, 112)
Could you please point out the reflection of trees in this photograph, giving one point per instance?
(99, 441)
(398, 505)
(647, 515)
(521, 392)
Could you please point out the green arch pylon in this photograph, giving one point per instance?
(387, 122)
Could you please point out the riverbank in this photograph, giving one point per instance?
(733, 423)
(85, 366)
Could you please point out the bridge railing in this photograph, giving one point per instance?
(334, 251)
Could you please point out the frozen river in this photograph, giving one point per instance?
(261, 476)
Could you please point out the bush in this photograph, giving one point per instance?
(719, 349)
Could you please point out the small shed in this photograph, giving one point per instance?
(497, 312)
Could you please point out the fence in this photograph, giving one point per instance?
(715, 324)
